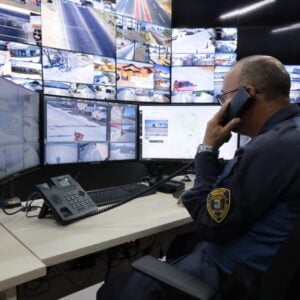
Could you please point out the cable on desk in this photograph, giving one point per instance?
(10, 213)
(27, 207)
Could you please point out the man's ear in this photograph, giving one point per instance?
(251, 90)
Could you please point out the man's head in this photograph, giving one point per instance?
(267, 81)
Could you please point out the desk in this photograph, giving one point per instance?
(17, 263)
(54, 244)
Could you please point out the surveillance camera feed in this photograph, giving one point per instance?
(85, 26)
(20, 21)
(142, 82)
(174, 132)
(69, 48)
(294, 71)
(155, 11)
(79, 130)
(143, 60)
(199, 57)
(80, 75)
(19, 129)
(21, 63)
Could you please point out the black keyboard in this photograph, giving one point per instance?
(120, 193)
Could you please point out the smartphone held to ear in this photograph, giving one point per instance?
(238, 105)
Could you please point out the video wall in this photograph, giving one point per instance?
(112, 50)
(88, 49)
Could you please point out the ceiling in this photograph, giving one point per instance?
(205, 13)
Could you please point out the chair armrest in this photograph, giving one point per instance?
(172, 277)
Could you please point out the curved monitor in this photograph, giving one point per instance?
(19, 129)
(78, 131)
(173, 132)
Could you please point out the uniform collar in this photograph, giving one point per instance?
(280, 116)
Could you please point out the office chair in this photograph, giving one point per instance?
(279, 282)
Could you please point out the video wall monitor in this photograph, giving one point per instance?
(78, 131)
(141, 41)
(21, 63)
(142, 82)
(173, 132)
(20, 21)
(19, 129)
(79, 75)
(156, 12)
(294, 71)
(143, 56)
(84, 26)
(199, 55)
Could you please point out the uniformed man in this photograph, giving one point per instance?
(245, 210)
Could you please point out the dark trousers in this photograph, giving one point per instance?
(136, 286)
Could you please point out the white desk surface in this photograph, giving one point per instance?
(17, 263)
(53, 243)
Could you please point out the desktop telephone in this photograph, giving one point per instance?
(66, 200)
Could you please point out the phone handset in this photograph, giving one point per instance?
(238, 105)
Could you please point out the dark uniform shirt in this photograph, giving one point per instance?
(246, 209)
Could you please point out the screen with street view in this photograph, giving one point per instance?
(21, 63)
(198, 56)
(78, 130)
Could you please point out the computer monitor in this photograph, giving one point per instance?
(173, 132)
(78, 75)
(156, 13)
(84, 26)
(294, 71)
(20, 21)
(19, 129)
(21, 63)
(199, 57)
(142, 82)
(78, 131)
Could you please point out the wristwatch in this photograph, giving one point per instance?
(207, 148)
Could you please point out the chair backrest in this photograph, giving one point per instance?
(280, 281)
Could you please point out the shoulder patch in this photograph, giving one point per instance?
(218, 204)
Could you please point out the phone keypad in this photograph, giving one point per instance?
(77, 200)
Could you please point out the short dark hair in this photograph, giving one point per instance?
(266, 73)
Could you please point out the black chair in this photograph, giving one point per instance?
(280, 282)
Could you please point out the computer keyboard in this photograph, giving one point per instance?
(120, 193)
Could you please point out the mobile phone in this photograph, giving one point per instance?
(238, 105)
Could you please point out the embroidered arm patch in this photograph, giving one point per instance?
(218, 204)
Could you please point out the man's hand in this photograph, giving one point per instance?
(216, 134)
(179, 201)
